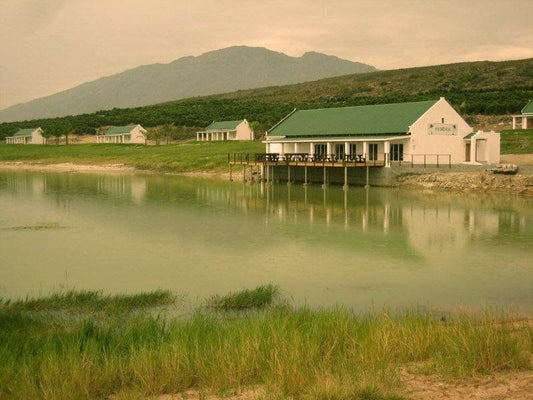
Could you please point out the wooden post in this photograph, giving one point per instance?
(230, 177)
(305, 176)
(367, 177)
(325, 184)
(345, 187)
(244, 173)
(288, 174)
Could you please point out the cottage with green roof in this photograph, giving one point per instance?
(525, 119)
(123, 134)
(27, 136)
(423, 132)
(226, 130)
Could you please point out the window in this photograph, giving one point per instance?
(339, 151)
(396, 152)
(353, 148)
(372, 151)
(321, 149)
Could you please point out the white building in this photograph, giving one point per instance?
(525, 119)
(123, 134)
(27, 136)
(425, 132)
(226, 130)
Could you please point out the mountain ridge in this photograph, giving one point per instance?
(210, 73)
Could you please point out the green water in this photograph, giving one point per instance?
(363, 248)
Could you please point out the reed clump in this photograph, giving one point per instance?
(290, 351)
(259, 297)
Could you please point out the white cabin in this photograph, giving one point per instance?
(27, 136)
(123, 134)
(226, 130)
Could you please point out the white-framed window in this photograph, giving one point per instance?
(321, 148)
(396, 152)
(353, 148)
(372, 151)
(339, 150)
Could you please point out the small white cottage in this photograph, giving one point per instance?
(424, 132)
(124, 134)
(525, 119)
(226, 130)
(27, 136)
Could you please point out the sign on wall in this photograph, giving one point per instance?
(442, 129)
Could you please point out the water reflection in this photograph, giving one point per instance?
(204, 236)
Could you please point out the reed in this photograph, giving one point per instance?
(294, 352)
(248, 298)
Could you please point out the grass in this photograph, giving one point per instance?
(293, 352)
(83, 300)
(518, 141)
(185, 157)
(249, 298)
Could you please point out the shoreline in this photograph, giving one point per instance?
(521, 184)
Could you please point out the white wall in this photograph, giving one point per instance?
(138, 135)
(424, 143)
(244, 132)
(37, 137)
(491, 144)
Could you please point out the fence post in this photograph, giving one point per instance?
(449, 160)
(437, 160)
(424, 161)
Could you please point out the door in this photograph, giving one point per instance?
(321, 149)
(397, 152)
(372, 151)
(468, 147)
(481, 150)
(339, 151)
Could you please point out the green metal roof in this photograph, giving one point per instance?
(360, 120)
(222, 125)
(528, 109)
(116, 130)
(25, 132)
(469, 136)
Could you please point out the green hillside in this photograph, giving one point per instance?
(473, 88)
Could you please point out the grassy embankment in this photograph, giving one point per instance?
(86, 345)
(185, 157)
(519, 141)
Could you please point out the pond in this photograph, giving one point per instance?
(365, 248)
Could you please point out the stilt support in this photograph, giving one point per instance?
(288, 175)
(325, 184)
(367, 177)
(345, 187)
(305, 176)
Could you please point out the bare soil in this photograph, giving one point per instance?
(517, 159)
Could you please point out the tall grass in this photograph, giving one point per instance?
(292, 352)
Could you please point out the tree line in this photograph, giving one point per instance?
(185, 116)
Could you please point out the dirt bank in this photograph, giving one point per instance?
(471, 181)
(109, 168)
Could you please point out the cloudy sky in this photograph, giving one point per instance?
(50, 45)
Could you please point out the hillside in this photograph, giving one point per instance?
(217, 71)
(473, 88)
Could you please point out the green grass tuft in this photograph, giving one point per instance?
(259, 297)
(90, 301)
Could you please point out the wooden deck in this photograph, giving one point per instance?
(301, 160)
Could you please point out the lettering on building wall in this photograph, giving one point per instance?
(442, 129)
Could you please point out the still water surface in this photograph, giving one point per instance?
(362, 248)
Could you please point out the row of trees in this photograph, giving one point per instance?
(180, 119)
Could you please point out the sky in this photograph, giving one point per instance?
(51, 45)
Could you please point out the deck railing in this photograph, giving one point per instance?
(303, 157)
(425, 160)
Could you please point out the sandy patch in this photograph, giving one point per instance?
(66, 167)
(512, 385)
(247, 394)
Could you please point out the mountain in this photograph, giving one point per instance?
(219, 71)
(482, 87)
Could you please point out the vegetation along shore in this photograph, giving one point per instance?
(84, 345)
